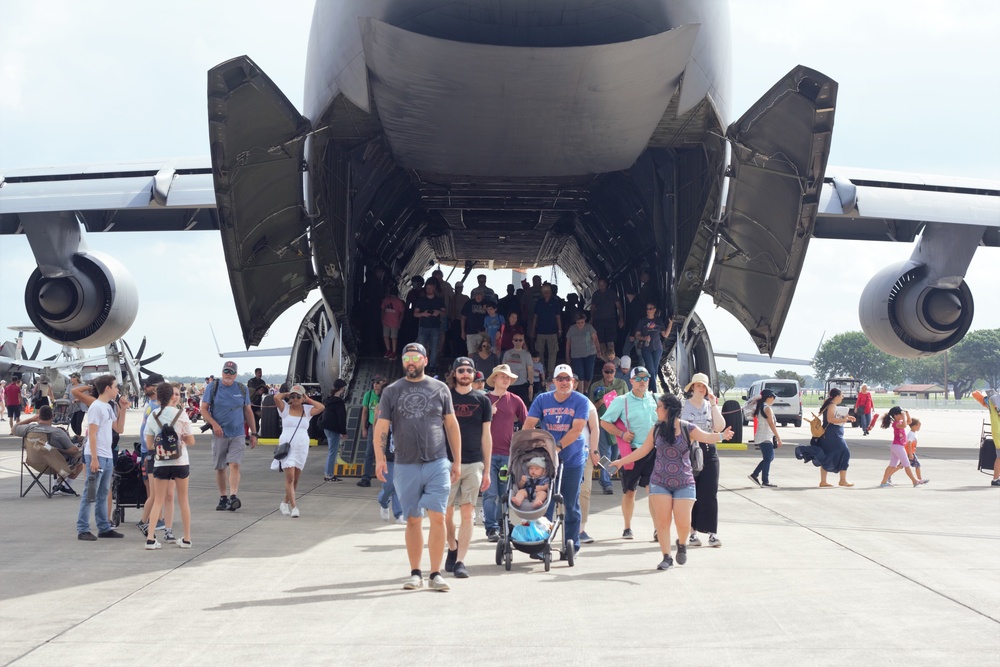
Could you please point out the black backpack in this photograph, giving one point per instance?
(167, 442)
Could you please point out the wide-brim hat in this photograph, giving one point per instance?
(502, 369)
(697, 377)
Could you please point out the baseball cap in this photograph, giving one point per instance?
(479, 376)
(229, 367)
(462, 361)
(639, 373)
(562, 369)
(415, 347)
(625, 361)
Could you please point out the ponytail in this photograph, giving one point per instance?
(891, 415)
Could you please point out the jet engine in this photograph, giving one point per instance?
(903, 315)
(89, 306)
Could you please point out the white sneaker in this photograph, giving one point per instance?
(385, 514)
(284, 509)
(694, 541)
(401, 519)
(714, 541)
(295, 512)
(437, 583)
(155, 544)
(414, 582)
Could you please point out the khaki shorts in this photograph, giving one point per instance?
(227, 450)
(466, 490)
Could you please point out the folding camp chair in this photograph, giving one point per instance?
(40, 460)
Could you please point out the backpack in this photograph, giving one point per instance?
(167, 442)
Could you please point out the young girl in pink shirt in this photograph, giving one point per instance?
(898, 457)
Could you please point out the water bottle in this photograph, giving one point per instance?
(92, 485)
(503, 476)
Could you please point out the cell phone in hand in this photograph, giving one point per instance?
(606, 463)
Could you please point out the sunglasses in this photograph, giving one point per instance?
(640, 378)
(465, 371)
(229, 372)
(608, 372)
(293, 395)
(563, 378)
(411, 358)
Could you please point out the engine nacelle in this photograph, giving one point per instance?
(902, 315)
(93, 306)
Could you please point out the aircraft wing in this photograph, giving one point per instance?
(169, 195)
(870, 205)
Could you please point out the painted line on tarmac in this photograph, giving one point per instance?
(868, 558)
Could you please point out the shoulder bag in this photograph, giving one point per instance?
(695, 452)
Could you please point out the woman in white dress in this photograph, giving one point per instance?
(295, 416)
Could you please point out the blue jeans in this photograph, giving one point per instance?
(388, 491)
(766, 456)
(865, 419)
(492, 496)
(569, 487)
(101, 508)
(368, 471)
(651, 360)
(428, 337)
(607, 446)
(333, 448)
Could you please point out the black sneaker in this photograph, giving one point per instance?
(608, 491)
(223, 504)
(754, 480)
(666, 563)
(449, 562)
(769, 485)
(460, 571)
(682, 553)
(493, 535)
(627, 534)
(234, 503)
(87, 537)
(995, 482)
(364, 482)
(110, 533)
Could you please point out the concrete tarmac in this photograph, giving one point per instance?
(806, 575)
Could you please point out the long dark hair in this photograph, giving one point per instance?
(891, 415)
(666, 429)
(834, 393)
(758, 410)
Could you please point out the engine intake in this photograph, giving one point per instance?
(902, 315)
(93, 306)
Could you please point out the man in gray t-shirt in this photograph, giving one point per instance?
(421, 413)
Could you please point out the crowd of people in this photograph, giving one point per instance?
(531, 328)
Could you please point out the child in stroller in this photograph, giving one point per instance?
(534, 485)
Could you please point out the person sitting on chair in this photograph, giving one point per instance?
(58, 440)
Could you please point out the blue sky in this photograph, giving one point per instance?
(106, 81)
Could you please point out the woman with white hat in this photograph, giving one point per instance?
(295, 417)
(701, 408)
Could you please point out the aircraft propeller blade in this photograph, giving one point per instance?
(142, 348)
(146, 362)
(38, 347)
(127, 348)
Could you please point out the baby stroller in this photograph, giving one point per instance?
(127, 489)
(524, 446)
(61, 415)
(193, 409)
